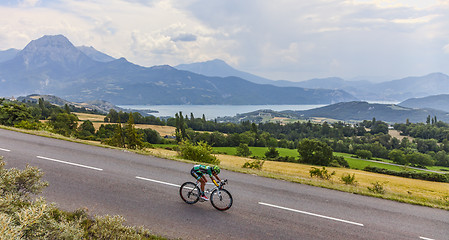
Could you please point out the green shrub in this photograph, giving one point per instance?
(321, 173)
(272, 153)
(435, 177)
(243, 150)
(29, 125)
(339, 161)
(314, 152)
(201, 152)
(256, 164)
(23, 218)
(377, 187)
(348, 179)
(364, 154)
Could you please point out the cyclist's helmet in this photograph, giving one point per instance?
(216, 169)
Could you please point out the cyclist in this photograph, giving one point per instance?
(198, 172)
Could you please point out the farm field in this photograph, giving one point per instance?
(354, 163)
(98, 120)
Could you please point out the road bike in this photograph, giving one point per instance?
(219, 197)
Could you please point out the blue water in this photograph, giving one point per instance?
(213, 111)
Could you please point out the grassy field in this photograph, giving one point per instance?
(433, 194)
(354, 163)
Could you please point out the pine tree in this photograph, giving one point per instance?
(133, 140)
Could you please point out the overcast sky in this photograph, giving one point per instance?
(284, 39)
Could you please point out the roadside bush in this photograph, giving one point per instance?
(321, 173)
(348, 179)
(201, 152)
(29, 125)
(256, 164)
(377, 187)
(23, 218)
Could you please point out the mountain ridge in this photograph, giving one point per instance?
(52, 65)
(388, 91)
(360, 110)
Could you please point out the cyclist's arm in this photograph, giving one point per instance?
(215, 176)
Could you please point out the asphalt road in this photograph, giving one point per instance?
(144, 190)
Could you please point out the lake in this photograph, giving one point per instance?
(213, 111)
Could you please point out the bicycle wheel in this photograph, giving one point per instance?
(221, 199)
(189, 192)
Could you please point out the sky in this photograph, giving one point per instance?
(291, 40)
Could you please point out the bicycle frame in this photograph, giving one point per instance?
(209, 191)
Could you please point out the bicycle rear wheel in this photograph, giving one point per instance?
(221, 199)
(189, 192)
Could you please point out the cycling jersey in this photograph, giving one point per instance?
(199, 170)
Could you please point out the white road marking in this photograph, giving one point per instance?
(5, 150)
(69, 163)
(311, 214)
(157, 181)
(424, 238)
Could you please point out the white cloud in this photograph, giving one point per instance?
(285, 39)
(446, 49)
(28, 3)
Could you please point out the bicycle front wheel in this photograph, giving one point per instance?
(189, 192)
(221, 199)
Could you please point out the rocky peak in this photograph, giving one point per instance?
(51, 50)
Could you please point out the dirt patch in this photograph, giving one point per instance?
(397, 134)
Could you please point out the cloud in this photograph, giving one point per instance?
(446, 48)
(284, 39)
(29, 3)
(184, 37)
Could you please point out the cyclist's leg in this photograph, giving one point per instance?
(199, 177)
(202, 180)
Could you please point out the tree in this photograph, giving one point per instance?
(86, 130)
(442, 159)
(11, 113)
(243, 150)
(180, 131)
(397, 156)
(419, 159)
(364, 154)
(272, 153)
(151, 136)
(315, 152)
(133, 140)
(64, 123)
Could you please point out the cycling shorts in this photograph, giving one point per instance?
(196, 174)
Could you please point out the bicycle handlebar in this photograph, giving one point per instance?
(223, 182)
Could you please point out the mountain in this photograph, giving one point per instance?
(8, 54)
(359, 111)
(393, 91)
(95, 54)
(52, 65)
(89, 51)
(43, 66)
(439, 102)
(219, 68)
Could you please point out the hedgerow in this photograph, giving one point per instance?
(434, 177)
